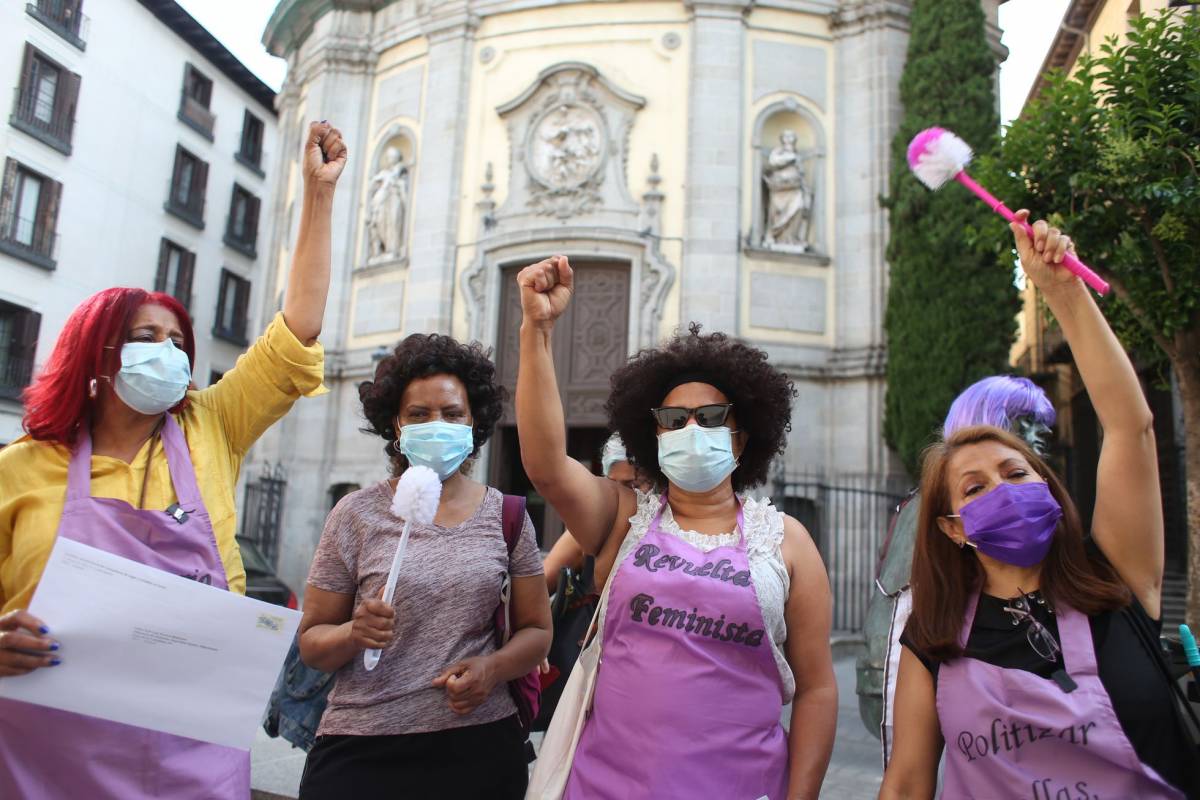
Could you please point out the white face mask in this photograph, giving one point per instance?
(696, 459)
(154, 376)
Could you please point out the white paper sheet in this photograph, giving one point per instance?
(147, 648)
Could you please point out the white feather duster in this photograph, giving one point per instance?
(418, 493)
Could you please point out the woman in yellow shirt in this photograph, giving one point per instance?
(120, 455)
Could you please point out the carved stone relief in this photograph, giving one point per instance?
(568, 133)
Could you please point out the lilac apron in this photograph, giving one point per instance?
(48, 753)
(1012, 734)
(687, 700)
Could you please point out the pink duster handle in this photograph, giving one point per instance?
(1070, 261)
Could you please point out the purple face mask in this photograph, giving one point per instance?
(1013, 523)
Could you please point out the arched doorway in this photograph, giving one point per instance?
(590, 342)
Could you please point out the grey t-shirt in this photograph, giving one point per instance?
(446, 595)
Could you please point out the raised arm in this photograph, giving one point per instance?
(308, 280)
(587, 503)
(1128, 521)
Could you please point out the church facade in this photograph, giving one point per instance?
(717, 162)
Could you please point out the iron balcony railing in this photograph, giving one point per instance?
(41, 119)
(25, 238)
(63, 17)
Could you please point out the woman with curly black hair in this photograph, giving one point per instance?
(434, 718)
(718, 612)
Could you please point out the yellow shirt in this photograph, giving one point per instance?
(220, 423)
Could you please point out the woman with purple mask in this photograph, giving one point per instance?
(1003, 401)
(1029, 655)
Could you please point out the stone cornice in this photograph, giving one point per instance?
(843, 363)
(293, 20)
(720, 9)
(854, 18)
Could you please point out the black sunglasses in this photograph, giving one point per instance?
(674, 418)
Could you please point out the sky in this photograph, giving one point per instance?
(1029, 27)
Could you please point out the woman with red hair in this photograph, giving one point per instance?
(123, 456)
(1031, 656)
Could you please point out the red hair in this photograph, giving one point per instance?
(945, 576)
(89, 347)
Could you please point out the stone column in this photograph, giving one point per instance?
(331, 75)
(709, 277)
(871, 41)
(436, 196)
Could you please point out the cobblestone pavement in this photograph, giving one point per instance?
(854, 771)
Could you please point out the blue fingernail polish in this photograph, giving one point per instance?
(54, 646)
(54, 662)
(44, 630)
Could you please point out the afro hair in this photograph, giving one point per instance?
(761, 395)
(419, 356)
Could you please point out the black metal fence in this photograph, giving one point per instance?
(262, 514)
(848, 517)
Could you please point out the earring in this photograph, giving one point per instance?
(93, 388)
(395, 445)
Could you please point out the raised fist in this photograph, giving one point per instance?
(324, 154)
(546, 289)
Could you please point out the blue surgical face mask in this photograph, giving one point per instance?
(154, 376)
(441, 446)
(696, 459)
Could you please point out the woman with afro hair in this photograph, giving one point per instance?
(718, 610)
(434, 718)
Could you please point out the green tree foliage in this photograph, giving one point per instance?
(1111, 153)
(951, 312)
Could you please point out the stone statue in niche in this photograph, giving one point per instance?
(387, 203)
(567, 146)
(789, 197)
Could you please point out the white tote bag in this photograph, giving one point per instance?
(555, 756)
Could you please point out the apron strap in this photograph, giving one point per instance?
(79, 469)
(1075, 639)
(179, 462)
(969, 619)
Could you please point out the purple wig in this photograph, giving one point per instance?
(1001, 401)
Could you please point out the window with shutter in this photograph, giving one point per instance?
(194, 100)
(64, 17)
(250, 151)
(45, 100)
(233, 303)
(29, 214)
(19, 329)
(186, 196)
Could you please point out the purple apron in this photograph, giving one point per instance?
(1010, 733)
(46, 752)
(687, 699)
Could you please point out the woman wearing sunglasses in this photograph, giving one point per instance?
(1029, 652)
(718, 610)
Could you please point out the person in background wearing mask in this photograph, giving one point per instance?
(121, 456)
(1031, 651)
(1005, 401)
(434, 718)
(616, 466)
(718, 611)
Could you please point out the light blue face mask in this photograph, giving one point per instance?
(696, 459)
(441, 446)
(154, 376)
